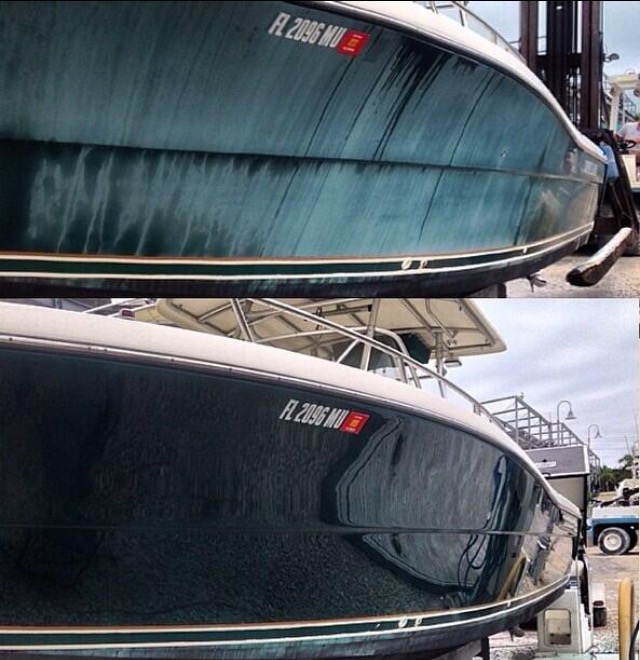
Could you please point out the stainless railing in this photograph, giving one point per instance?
(459, 12)
(405, 368)
(531, 430)
(408, 369)
(521, 422)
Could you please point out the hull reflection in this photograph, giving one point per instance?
(162, 492)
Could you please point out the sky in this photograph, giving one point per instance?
(621, 24)
(583, 350)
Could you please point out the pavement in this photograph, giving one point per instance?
(606, 569)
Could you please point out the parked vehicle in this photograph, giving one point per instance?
(613, 526)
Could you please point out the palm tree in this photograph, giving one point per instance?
(626, 463)
(608, 478)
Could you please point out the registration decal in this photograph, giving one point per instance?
(352, 42)
(328, 417)
(354, 422)
(326, 35)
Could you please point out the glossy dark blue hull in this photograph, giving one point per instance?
(149, 502)
(222, 143)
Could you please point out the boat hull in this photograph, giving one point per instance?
(154, 505)
(131, 154)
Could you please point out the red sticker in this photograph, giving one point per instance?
(354, 423)
(352, 42)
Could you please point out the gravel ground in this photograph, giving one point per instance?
(608, 570)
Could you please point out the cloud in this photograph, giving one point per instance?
(582, 350)
(620, 32)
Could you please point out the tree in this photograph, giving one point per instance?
(627, 462)
(608, 478)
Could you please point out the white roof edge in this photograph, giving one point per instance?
(486, 325)
(413, 17)
(176, 311)
(24, 322)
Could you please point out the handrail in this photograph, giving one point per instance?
(411, 371)
(531, 430)
(472, 22)
(401, 357)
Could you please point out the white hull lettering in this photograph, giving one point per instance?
(313, 414)
(279, 24)
(335, 419)
(287, 411)
(306, 31)
(331, 36)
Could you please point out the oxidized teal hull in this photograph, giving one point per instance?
(239, 143)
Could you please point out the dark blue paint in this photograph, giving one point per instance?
(136, 494)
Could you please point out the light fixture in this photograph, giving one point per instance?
(597, 435)
(569, 416)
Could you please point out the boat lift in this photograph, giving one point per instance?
(571, 65)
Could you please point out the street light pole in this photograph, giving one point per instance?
(595, 479)
(597, 435)
(570, 415)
